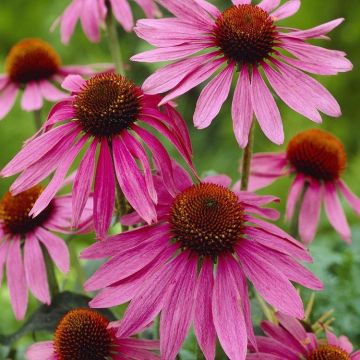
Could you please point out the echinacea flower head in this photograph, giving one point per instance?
(34, 66)
(317, 159)
(92, 14)
(103, 112)
(191, 266)
(245, 42)
(23, 239)
(289, 340)
(84, 334)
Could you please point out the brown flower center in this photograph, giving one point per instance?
(107, 104)
(318, 154)
(82, 334)
(208, 219)
(32, 60)
(328, 352)
(245, 33)
(14, 211)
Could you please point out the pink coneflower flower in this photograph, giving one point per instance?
(18, 230)
(84, 334)
(317, 159)
(34, 66)
(169, 267)
(92, 14)
(106, 111)
(290, 341)
(244, 39)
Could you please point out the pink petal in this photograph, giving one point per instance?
(269, 5)
(82, 183)
(7, 99)
(294, 194)
(266, 110)
(56, 248)
(310, 212)
(203, 319)
(69, 20)
(211, 9)
(73, 83)
(317, 31)
(335, 212)
(104, 191)
(212, 97)
(227, 312)
(35, 269)
(61, 111)
(90, 19)
(32, 98)
(123, 14)
(293, 326)
(271, 284)
(4, 245)
(349, 196)
(43, 350)
(50, 92)
(177, 313)
(242, 110)
(16, 279)
(288, 9)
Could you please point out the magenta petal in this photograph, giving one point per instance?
(35, 269)
(266, 110)
(7, 99)
(69, 20)
(56, 247)
(212, 97)
(293, 326)
(150, 300)
(349, 196)
(123, 13)
(203, 318)
(82, 183)
(294, 194)
(227, 312)
(90, 19)
(269, 281)
(16, 279)
(177, 313)
(335, 212)
(310, 211)
(32, 98)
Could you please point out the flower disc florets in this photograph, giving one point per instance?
(82, 334)
(328, 352)
(32, 60)
(208, 219)
(14, 211)
(318, 154)
(245, 33)
(107, 104)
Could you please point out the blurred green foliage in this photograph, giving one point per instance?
(214, 148)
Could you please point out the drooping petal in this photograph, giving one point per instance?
(123, 13)
(69, 20)
(349, 196)
(90, 19)
(288, 9)
(50, 92)
(7, 99)
(32, 98)
(295, 191)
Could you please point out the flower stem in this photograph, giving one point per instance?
(114, 44)
(246, 160)
(37, 119)
(53, 284)
(199, 353)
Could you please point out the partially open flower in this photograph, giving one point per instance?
(92, 14)
(192, 266)
(23, 239)
(103, 112)
(290, 341)
(244, 42)
(317, 159)
(34, 66)
(84, 334)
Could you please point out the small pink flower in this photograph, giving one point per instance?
(84, 334)
(34, 66)
(169, 267)
(92, 14)
(26, 268)
(290, 341)
(243, 37)
(103, 112)
(317, 159)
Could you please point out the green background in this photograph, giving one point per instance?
(215, 148)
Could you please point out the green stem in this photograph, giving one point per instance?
(199, 353)
(246, 160)
(37, 119)
(114, 44)
(53, 284)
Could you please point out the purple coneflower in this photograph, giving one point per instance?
(317, 159)
(104, 111)
(92, 14)
(34, 66)
(193, 263)
(245, 39)
(22, 238)
(84, 334)
(290, 341)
